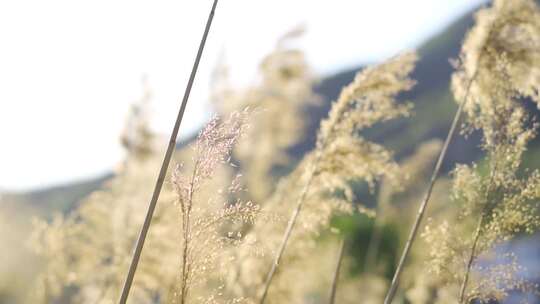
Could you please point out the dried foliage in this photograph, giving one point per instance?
(500, 204)
(201, 221)
(322, 182)
(368, 100)
(211, 243)
(500, 61)
(88, 251)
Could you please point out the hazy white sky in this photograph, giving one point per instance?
(69, 69)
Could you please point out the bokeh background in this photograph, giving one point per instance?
(69, 70)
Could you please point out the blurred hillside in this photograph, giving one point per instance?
(434, 108)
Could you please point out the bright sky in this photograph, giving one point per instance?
(70, 68)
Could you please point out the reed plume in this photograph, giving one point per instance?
(503, 50)
(368, 100)
(502, 30)
(201, 221)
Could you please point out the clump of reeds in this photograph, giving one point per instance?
(215, 245)
(341, 154)
(203, 240)
(499, 66)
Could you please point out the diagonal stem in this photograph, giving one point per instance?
(414, 231)
(476, 238)
(471, 258)
(288, 231)
(186, 227)
(422, 210)
(166, 161)
(294, 216)
(337, 270)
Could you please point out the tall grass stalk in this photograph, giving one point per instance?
(290, 225)
(186, 217)
(421, 211)
(471, 258)
(423, 205)
(337, 271)
(166, 161)
(476, 237)
(369, 99)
